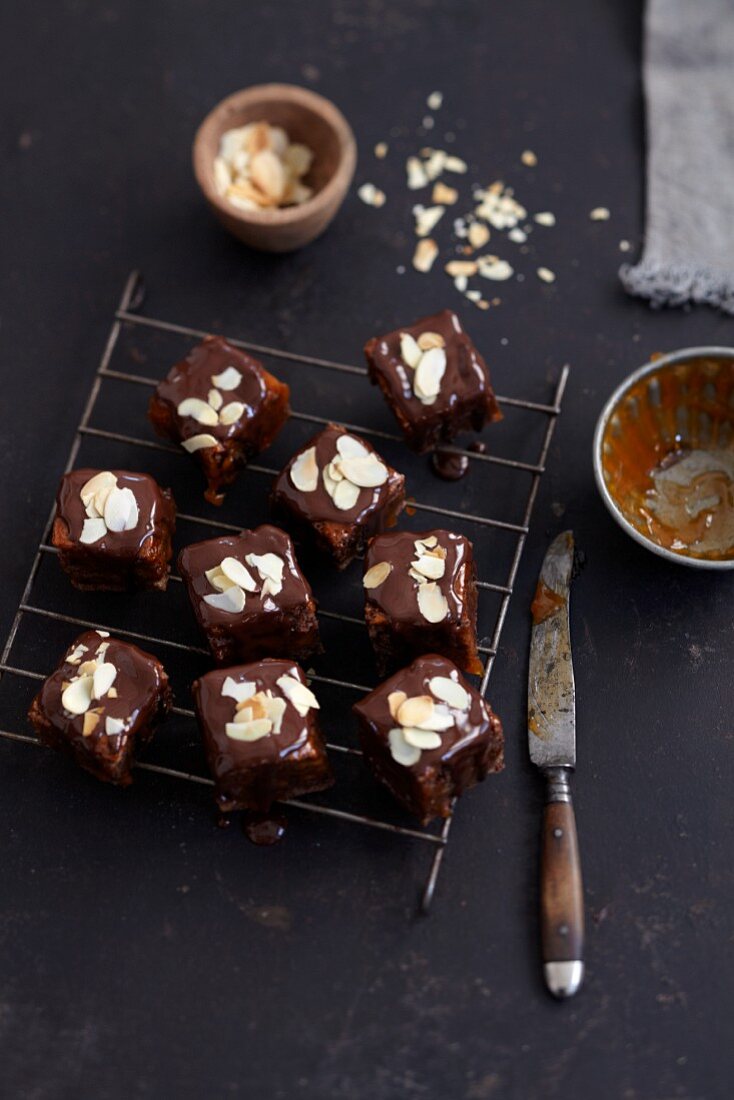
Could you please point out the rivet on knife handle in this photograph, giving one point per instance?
(561, 892)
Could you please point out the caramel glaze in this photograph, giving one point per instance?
(643, 436)
(120, 559)
(342, 533)
(142, 700)
(469, 751)
(466, 400)
(266, 409)
(282, 623)
(251, 775)
(545, 603)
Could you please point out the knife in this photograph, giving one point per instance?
(552, 743)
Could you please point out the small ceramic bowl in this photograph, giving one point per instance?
(307, 118)
(664, 456)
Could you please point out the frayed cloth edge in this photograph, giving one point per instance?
(679, 284)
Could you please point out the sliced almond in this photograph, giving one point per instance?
(334, 469)
(441, 719)
(429, 373)
(76, 655)
(304, 472)
(117, 509)
(267, 173)
(427, 218)
(232, 689)
(215, 399)
(92, 531)
(415, 710)
(444, 194)
(90, 723)
(198, 410)
(368, 472)
(87, 668)
(417, 176)
(198, 442)
(101, 482)
(456, 164)
(490, 267)
(345, 495)
(428, 566)
(394, 701)
(248, 731)
(229, 379)
(425, 253)
(278, 141)
(257, 137)
(421, 739)
(428, 340)
(113, 726)
(546, 275)
(400, 750)
(103, 679)
(298, 159)
(232, 601)
(375, 576)
(461, 267)
(275, 709)
(428, 543)
(302, 698)
(410, 351)
(231, 413)
(449, 691)
(478, 235)
(545, 217)
(112, 693)
(372, 195)
(77, 697)
(269, 566)
(349, 446)
(235, 571)
(432, 603)
(217, 579)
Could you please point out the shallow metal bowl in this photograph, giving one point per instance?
(662, 407)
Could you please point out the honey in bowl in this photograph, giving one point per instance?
(668, 457)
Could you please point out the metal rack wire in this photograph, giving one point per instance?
(126, 314)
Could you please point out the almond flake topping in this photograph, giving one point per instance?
(394, 701)
(420, 723)
(198, 442)
(375, 576)
(304, 471)
(200, 411)
(432, 603)
(113, 726)
(93, 680)
(108, 507)
(449, 691)
(229, 379)
(302, 698)
(427, 218)
(400, 750)
(239, 691)
(428, 340)
(428, 375)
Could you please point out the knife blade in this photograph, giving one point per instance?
(552, 746)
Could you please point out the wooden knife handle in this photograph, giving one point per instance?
(561, 891)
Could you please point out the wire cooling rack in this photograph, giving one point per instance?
(126, 315)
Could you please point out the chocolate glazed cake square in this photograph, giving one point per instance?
(261, 734)
(102, 704)
(421, 597)
(221, 405)
(250, 597)
(113, 529)
(336, 492)
(434, 380)
(428, 736)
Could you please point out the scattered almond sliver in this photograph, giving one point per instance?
(259, 167)
(425, 253)
(371, 195)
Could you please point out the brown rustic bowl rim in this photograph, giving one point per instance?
(332, 191)
(672, 359)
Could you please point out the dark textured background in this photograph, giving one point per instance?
(143, 952)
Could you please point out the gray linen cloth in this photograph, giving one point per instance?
(689, 90)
